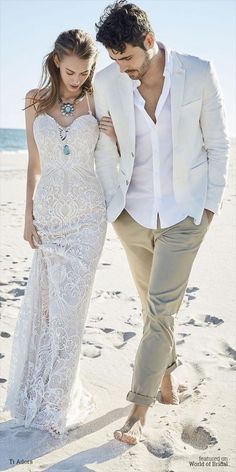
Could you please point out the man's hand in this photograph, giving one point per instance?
(210, 215)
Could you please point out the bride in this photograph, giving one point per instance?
(65, 221)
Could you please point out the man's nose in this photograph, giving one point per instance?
(122, 67)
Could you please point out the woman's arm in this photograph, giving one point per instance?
(33, 172)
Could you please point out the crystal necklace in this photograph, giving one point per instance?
(67, 109)
(63, 135)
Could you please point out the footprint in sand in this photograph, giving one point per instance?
(133, 320)
(213, 320)
(98, 337)
(182, 336)
(203, 321)
(91, 351)
(190, 295)
(204, 419)
(195, 388)
(192, 289)
(19, 282)
(96, 318)
(118, 338)
(230, 354)
(198, 437)
(229, 351)
(3, 334)
(112, 294)
(107, 330)
(182, 392)
(18, 292)
(107, 294)
(160, 448)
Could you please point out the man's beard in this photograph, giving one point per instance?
(139, 73)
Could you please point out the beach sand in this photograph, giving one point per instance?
(201, 430)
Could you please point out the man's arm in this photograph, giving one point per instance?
(106, 153)
(213, 125)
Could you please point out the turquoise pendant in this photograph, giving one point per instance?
(66, 150)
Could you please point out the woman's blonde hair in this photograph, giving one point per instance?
(76, 42)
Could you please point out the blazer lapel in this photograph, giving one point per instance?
(177, 91)
(125, 108)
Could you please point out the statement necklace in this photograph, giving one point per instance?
(67, 108)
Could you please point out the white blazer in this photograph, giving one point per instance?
(200, 143)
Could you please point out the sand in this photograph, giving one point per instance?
(199, 434)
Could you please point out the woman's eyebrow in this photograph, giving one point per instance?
(74, 71)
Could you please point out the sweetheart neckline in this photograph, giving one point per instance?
(66, 127)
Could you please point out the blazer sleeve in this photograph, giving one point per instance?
(106, 152)
(216, 142)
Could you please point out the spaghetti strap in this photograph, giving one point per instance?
(89, 108)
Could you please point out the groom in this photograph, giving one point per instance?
(163, 181)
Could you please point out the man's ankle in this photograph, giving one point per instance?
(139, 411)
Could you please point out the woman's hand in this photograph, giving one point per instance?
(30, 233)
(106, 126)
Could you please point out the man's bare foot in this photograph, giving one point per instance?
(169, 390)
(132, 430)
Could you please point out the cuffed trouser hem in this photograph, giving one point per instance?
(140, 399)
(171, 368)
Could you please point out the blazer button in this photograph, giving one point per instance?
(127, 182)
(132, 154)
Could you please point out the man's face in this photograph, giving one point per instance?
(134, 61)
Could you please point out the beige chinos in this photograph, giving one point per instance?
(160, 261)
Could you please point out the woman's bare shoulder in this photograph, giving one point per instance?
(35, 94)
(31, 94)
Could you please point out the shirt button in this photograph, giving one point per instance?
(132, 154)
(127, 182)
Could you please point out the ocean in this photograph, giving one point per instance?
(12, 140)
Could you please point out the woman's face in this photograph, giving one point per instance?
(73, 72)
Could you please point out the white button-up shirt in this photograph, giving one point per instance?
(151, 187)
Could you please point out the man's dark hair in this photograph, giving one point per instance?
(122, 23)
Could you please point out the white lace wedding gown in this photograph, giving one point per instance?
(69, 213)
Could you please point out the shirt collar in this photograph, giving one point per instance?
(168, 60)
(168, 65)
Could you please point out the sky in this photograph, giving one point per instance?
(28, 29)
